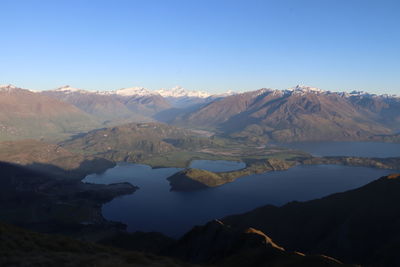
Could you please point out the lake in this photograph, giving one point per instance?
(357, 149)
(155, 208)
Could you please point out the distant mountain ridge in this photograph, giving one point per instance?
(26, 114)
(299, 114)
(137, 103)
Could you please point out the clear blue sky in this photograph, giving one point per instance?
(211, 45)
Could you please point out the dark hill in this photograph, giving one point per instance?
(359, 226)
(222, 245)
(19, 247)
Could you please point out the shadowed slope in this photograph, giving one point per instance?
(20, 247)
(359, 226)
(220, 244)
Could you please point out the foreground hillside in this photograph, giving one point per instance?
(24, 114)
(20, 247)
(222, 245)
(300, 114)
(359, 226)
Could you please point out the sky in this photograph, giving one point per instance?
(209, 45)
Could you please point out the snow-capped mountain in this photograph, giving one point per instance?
(8, 88)
(305, 89)
(69, 90)
(133, 91)
(179, 91)
(227, 93)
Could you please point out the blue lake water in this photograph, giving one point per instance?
(155, 208)
(359, 149)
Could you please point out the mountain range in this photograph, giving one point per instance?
(299, 114)
(266, 115)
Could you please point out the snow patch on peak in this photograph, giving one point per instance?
(7, 87)
(227, 93)
(179, 91)
(264, 91)
(306, 89)
(134, 91)
(69, 89)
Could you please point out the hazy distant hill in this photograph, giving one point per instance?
(106, 108)
(386, 108)
(25, 114)
(140, 100)
(181, 98)
(300, 114)
(135, 104)
(360, 226)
